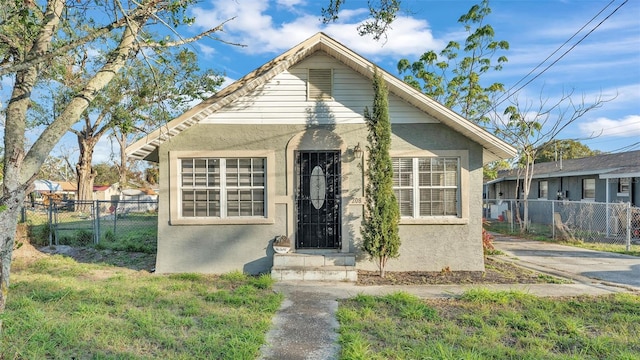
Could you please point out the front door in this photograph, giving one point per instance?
(318, 200)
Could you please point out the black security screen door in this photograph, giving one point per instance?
(318, 200)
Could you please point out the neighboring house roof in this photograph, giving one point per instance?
(137, 192)
(101, 187)
(46, 186)
(494, 148)
(626, 164)
(68, 186)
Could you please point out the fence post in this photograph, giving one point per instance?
(97, 222)
(608, 216)
(628, 242)
(553, 219)
(115, 218)
(54, 212)
(513, 213)
(50, 216)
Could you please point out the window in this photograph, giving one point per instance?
(222, 187)
(543, 189)
(427, 186)
(320, 84)
(588, 189)
(623, 186)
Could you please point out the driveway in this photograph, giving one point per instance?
(576, 263)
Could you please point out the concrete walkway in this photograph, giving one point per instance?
(305, 326)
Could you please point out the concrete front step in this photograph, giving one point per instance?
(319, 273)
(298, 259)
(315, 267)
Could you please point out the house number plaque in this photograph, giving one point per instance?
(318, 187)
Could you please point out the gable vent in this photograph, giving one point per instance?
(320, 84)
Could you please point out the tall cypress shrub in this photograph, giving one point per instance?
(382, 214)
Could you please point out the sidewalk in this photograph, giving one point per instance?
(306, 327)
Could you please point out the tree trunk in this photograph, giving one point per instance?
(10, 206)
(122, 167)
(85, 173)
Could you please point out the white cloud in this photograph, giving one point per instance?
(252, 27)
(407, 37)
(290, 3)
(347, 15)
(628, 126)
(227, 81)
(206, 50)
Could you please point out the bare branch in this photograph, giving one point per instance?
(184, 41)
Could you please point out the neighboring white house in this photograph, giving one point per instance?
(106, 192)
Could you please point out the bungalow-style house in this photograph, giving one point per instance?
(602, 178)
(281, 153)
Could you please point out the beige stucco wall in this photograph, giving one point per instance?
(218, 248)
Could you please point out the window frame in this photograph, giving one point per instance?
(543, 191)
(462, 193)
(584, 189)
(176, 188)
(624, 188)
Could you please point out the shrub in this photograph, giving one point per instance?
(83, 237)
(39, 234)
(110, 236)
(487, 238)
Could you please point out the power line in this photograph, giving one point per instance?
(558, 49)
(627, 148)
(508, 94)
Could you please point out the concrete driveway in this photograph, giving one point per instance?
(572, 262)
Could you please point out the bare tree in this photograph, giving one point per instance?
(528, 126)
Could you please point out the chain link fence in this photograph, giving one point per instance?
(612, 223)
(80, 223)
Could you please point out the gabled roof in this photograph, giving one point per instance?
(626, 164)
(494, 148)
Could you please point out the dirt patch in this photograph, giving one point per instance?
(496, 272)
(23, 248)
(131, 260)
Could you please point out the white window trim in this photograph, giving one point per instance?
(540, 188)
(175, 188)
(589, 199)
(463, 185)
(624, 193)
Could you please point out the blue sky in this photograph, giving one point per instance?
(606, 62)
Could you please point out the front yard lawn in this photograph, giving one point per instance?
(490, 325)
(61, 309)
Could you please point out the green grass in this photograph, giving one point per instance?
(60, 309)
(482, 324)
